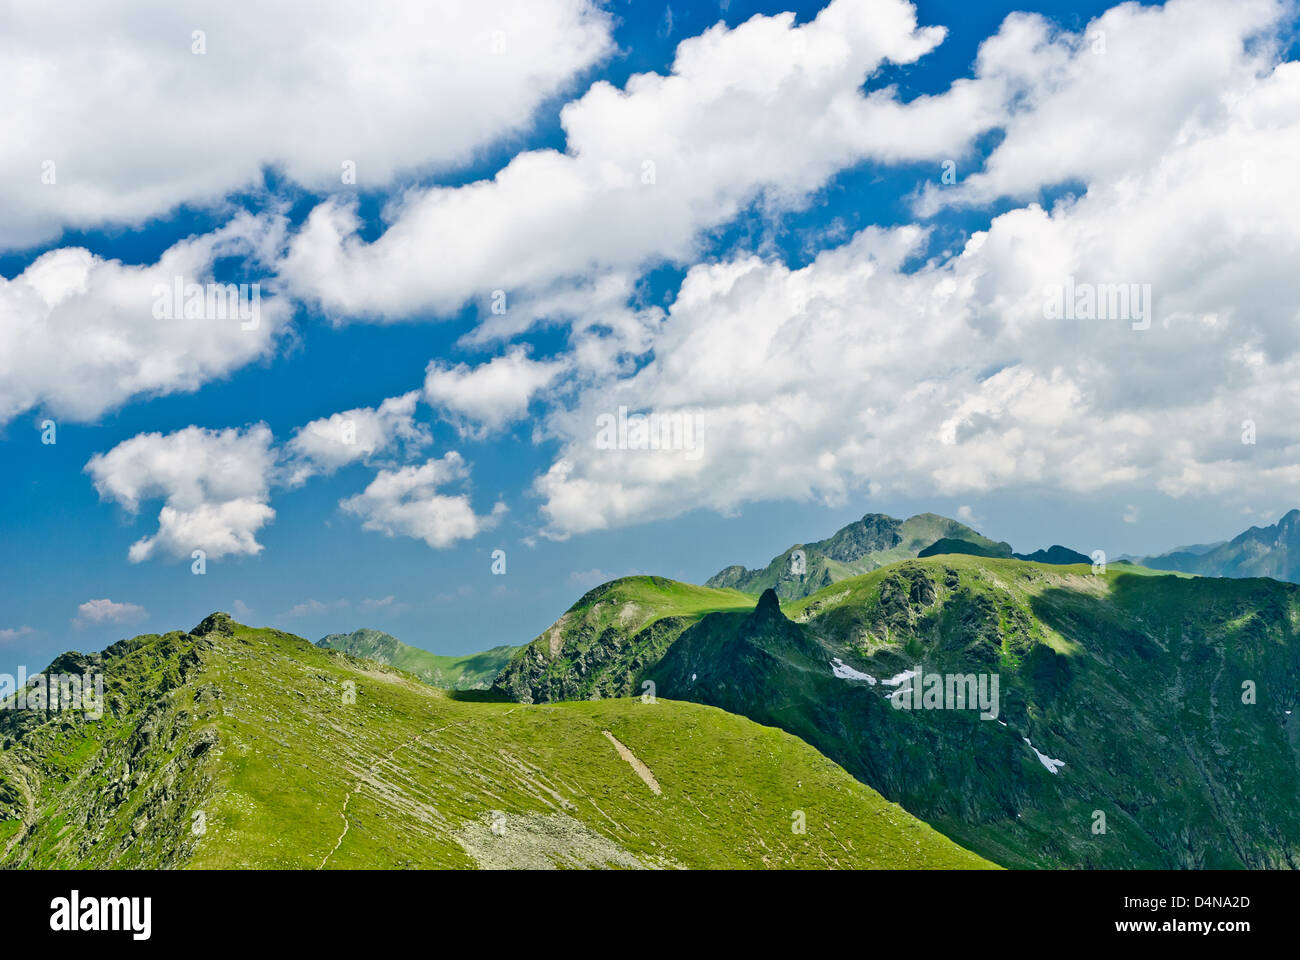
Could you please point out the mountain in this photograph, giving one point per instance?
(234, 747)
(864, 545)
(1121, 696)
(603, 644)
(1056, 555)
(1200, 675)
(475, 671)
(1272, 551)
(950, 545)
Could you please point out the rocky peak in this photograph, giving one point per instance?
(218, 622)
(769, 607)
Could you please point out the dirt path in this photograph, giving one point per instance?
(370, 773)
(641, 769)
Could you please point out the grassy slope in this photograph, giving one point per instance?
(602, 645)
(1133, 678)
(474, 671)
(250, 728)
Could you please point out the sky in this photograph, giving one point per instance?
(1030, 265)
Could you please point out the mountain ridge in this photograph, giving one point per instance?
(474, 671)
(1268, 551)
(237, 747)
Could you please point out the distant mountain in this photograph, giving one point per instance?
(604, 643)
(474, 671)
(1055, 554)
(950, 545)
(1272, 551)
(860, 547)
(234, 747)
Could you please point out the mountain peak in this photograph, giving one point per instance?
(769, 606)
(218, 622)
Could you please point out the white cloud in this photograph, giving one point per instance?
(108, 611)
(485, 398)
(1176, 69)
(313, 608)
(79, 335)
(329, 443)
(586, 579)
(10, 634)
(137, 123)
(765, 112)
(215, 487)
(406, 502)
(856, 374)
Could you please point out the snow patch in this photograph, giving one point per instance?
(845, 672)
(1052, 765)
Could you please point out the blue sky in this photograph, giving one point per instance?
(317, 570)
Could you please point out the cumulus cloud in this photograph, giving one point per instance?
(858, 374)
(406, 502)
(80, 335)
(10, 634)
(481, 399)
(1169, 65)
(329, 443)
(108, 611)
(214, 484)
(764, 113)
(138, 113)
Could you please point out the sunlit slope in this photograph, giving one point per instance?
(237, 747)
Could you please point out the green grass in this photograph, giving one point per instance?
(409, 776)
(474, 671)
(1134, 677)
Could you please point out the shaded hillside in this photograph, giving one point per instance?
(603, 644)
(1120, 695)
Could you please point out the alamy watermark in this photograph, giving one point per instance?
(65, 692)
(209, 301)
(650, 431)
(1099, 301)
(948, 691)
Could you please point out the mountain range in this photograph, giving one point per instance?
(904, 693)
(475, 671)
(1272, 551)
(232, 747)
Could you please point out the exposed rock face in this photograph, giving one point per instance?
(219, 623)
(145, 761)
